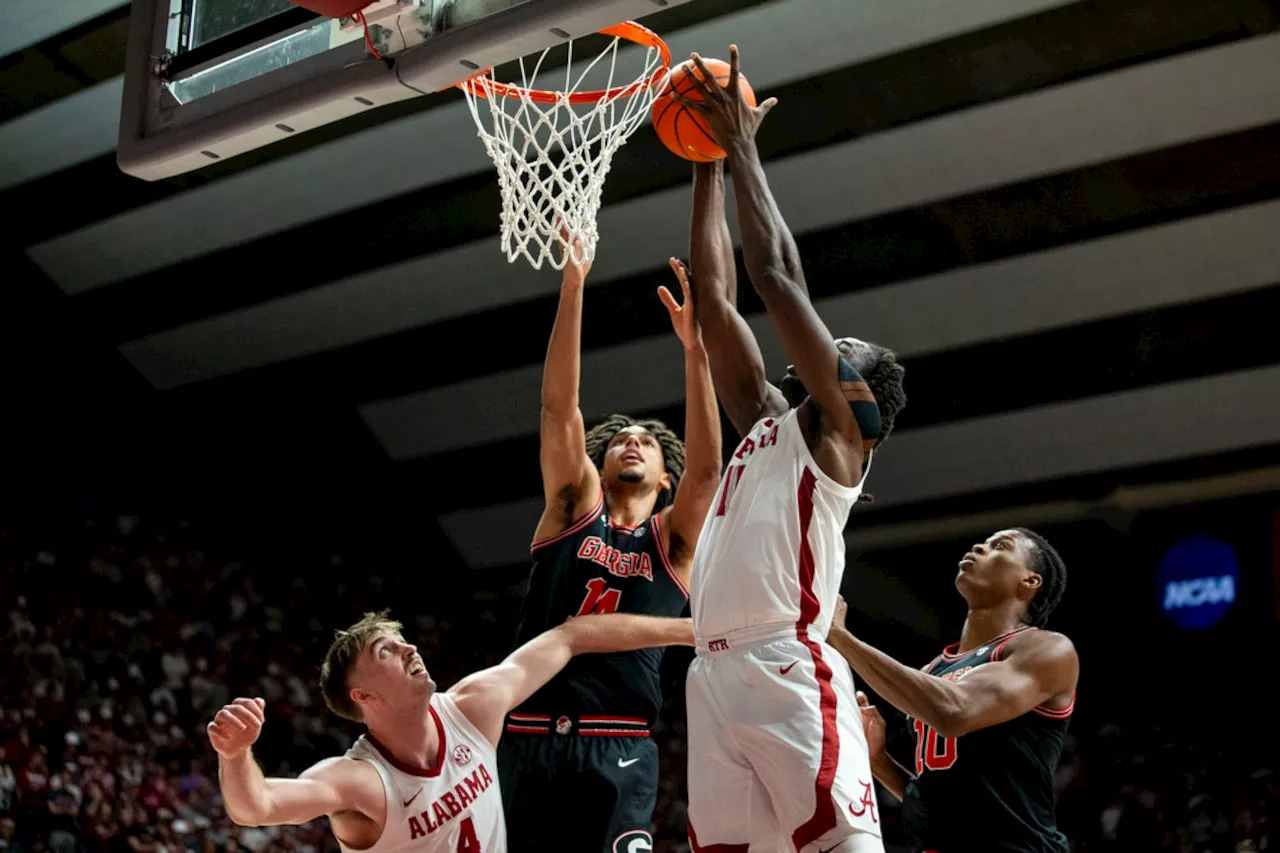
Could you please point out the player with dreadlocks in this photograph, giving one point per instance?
(624, 507)
(990, 713)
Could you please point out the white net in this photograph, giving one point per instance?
(552, 158)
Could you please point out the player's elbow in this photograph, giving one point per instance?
(703, 477)
(959, 721)
(247, 817)
(558, 408)
(573, 638)
(713, 308)
(776, 279)
(948, 726)
(953, 719)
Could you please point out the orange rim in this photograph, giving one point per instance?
(629, 30)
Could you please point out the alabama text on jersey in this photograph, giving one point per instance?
(456, 805)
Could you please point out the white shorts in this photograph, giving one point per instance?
(777, 756)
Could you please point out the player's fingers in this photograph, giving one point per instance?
(698, 107)
(769, 104)
(228, 720)
(863, 702)
(668, 300)
(704, 80)
(733, 71)
(245, 717)
(686, 289)
(682, 273)
(252, 706)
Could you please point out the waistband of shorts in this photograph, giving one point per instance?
(587, 725)
(748, 637)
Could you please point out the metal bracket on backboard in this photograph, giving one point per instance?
(160, 138)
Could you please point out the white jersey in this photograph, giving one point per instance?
(455, 807)
(771, 552)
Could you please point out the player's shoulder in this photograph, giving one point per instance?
(1043, 644)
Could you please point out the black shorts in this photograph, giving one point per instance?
(578, 794)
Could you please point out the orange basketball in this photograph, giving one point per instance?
(681, 129)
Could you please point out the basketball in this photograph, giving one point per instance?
(682, 130)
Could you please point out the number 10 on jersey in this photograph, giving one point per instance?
(932, 750)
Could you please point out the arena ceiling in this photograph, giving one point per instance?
(1065, 216)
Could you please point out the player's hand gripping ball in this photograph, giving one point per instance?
(681, 129)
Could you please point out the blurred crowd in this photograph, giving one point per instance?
(122, 638)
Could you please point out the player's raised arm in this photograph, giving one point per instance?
(487, 696)
(736, 364)
(570, 482)
(332, 787)
(1039, 666)
(773, 263)
(682, 521)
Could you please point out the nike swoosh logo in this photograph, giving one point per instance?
(411, 799)
(628, 762)
(787, 668)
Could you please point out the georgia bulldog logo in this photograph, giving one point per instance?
(563, 725)
(462, 755)
(635, 841)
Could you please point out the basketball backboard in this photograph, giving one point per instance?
(206, 80)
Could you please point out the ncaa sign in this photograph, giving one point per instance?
(1197, 581)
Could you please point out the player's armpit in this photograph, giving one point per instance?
(1038, 666)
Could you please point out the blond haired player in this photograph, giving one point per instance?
(424, 777)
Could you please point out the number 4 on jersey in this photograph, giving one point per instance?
(599, 599)
(467, 840)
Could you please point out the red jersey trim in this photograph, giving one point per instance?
(429, 773)
(995, 654)
(573, 528)
(625, 721)
(656, 525)
(823, 819)
(537, 730)
(1056, 713)
(949, 655)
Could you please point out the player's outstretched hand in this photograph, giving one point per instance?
(872, 726)
(728, 115)
(236, 727)
(682, 317)
(574, 272)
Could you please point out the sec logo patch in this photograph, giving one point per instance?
(462, 755)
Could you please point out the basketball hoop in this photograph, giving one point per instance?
(553, 148)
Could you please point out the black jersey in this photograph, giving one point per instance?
(596, 566)
(990, 790)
